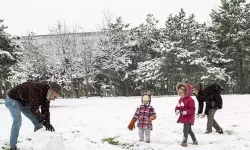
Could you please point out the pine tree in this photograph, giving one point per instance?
(231, 25)
(192, 55)
(8, 52)
(33, 63)
(209, 59)
(112, 58)
(183, 32)
(147, 54)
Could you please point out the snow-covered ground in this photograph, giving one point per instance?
(83, 124)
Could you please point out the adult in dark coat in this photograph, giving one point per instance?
(209, 94)
(27, 98)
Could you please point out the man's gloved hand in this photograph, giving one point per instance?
(48, 126)
(184, 112)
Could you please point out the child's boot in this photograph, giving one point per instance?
(195, 142)
(220, 131)
(184, 144)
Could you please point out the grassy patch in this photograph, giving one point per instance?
(5, 148)
(111, 141)
(126, 145)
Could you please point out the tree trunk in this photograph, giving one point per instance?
(77, 93)
(87, 86)
(126, 87)
(110, 84)
(241, 76)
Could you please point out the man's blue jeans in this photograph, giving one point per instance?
(15, 109)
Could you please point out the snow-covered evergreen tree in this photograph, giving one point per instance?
(193, 55)
(184, 32)
(231, 25)
(33, 63)
(8, 58)
(147, 57)
(112, 58)
(8, 52)
(209, 59)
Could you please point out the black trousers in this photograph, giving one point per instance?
(188, 130)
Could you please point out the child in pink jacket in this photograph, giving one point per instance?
(186, 111)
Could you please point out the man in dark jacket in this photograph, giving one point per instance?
(27, 98)
(211, 96)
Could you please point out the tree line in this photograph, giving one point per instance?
(131, 60)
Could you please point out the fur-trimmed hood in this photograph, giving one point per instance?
(149, 98)
(186, 87)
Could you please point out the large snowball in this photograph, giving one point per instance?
(46, 140)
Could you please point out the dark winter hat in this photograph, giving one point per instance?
(56, 87)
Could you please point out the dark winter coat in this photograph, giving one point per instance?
(33, 95)
(186, 104)
(211, 95)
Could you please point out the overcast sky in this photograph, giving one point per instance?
(22, 16)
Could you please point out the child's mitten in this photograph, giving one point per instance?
(152, 117)
(177, 112)
(184, 112)
(131, 125)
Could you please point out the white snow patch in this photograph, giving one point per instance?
(46, 140)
